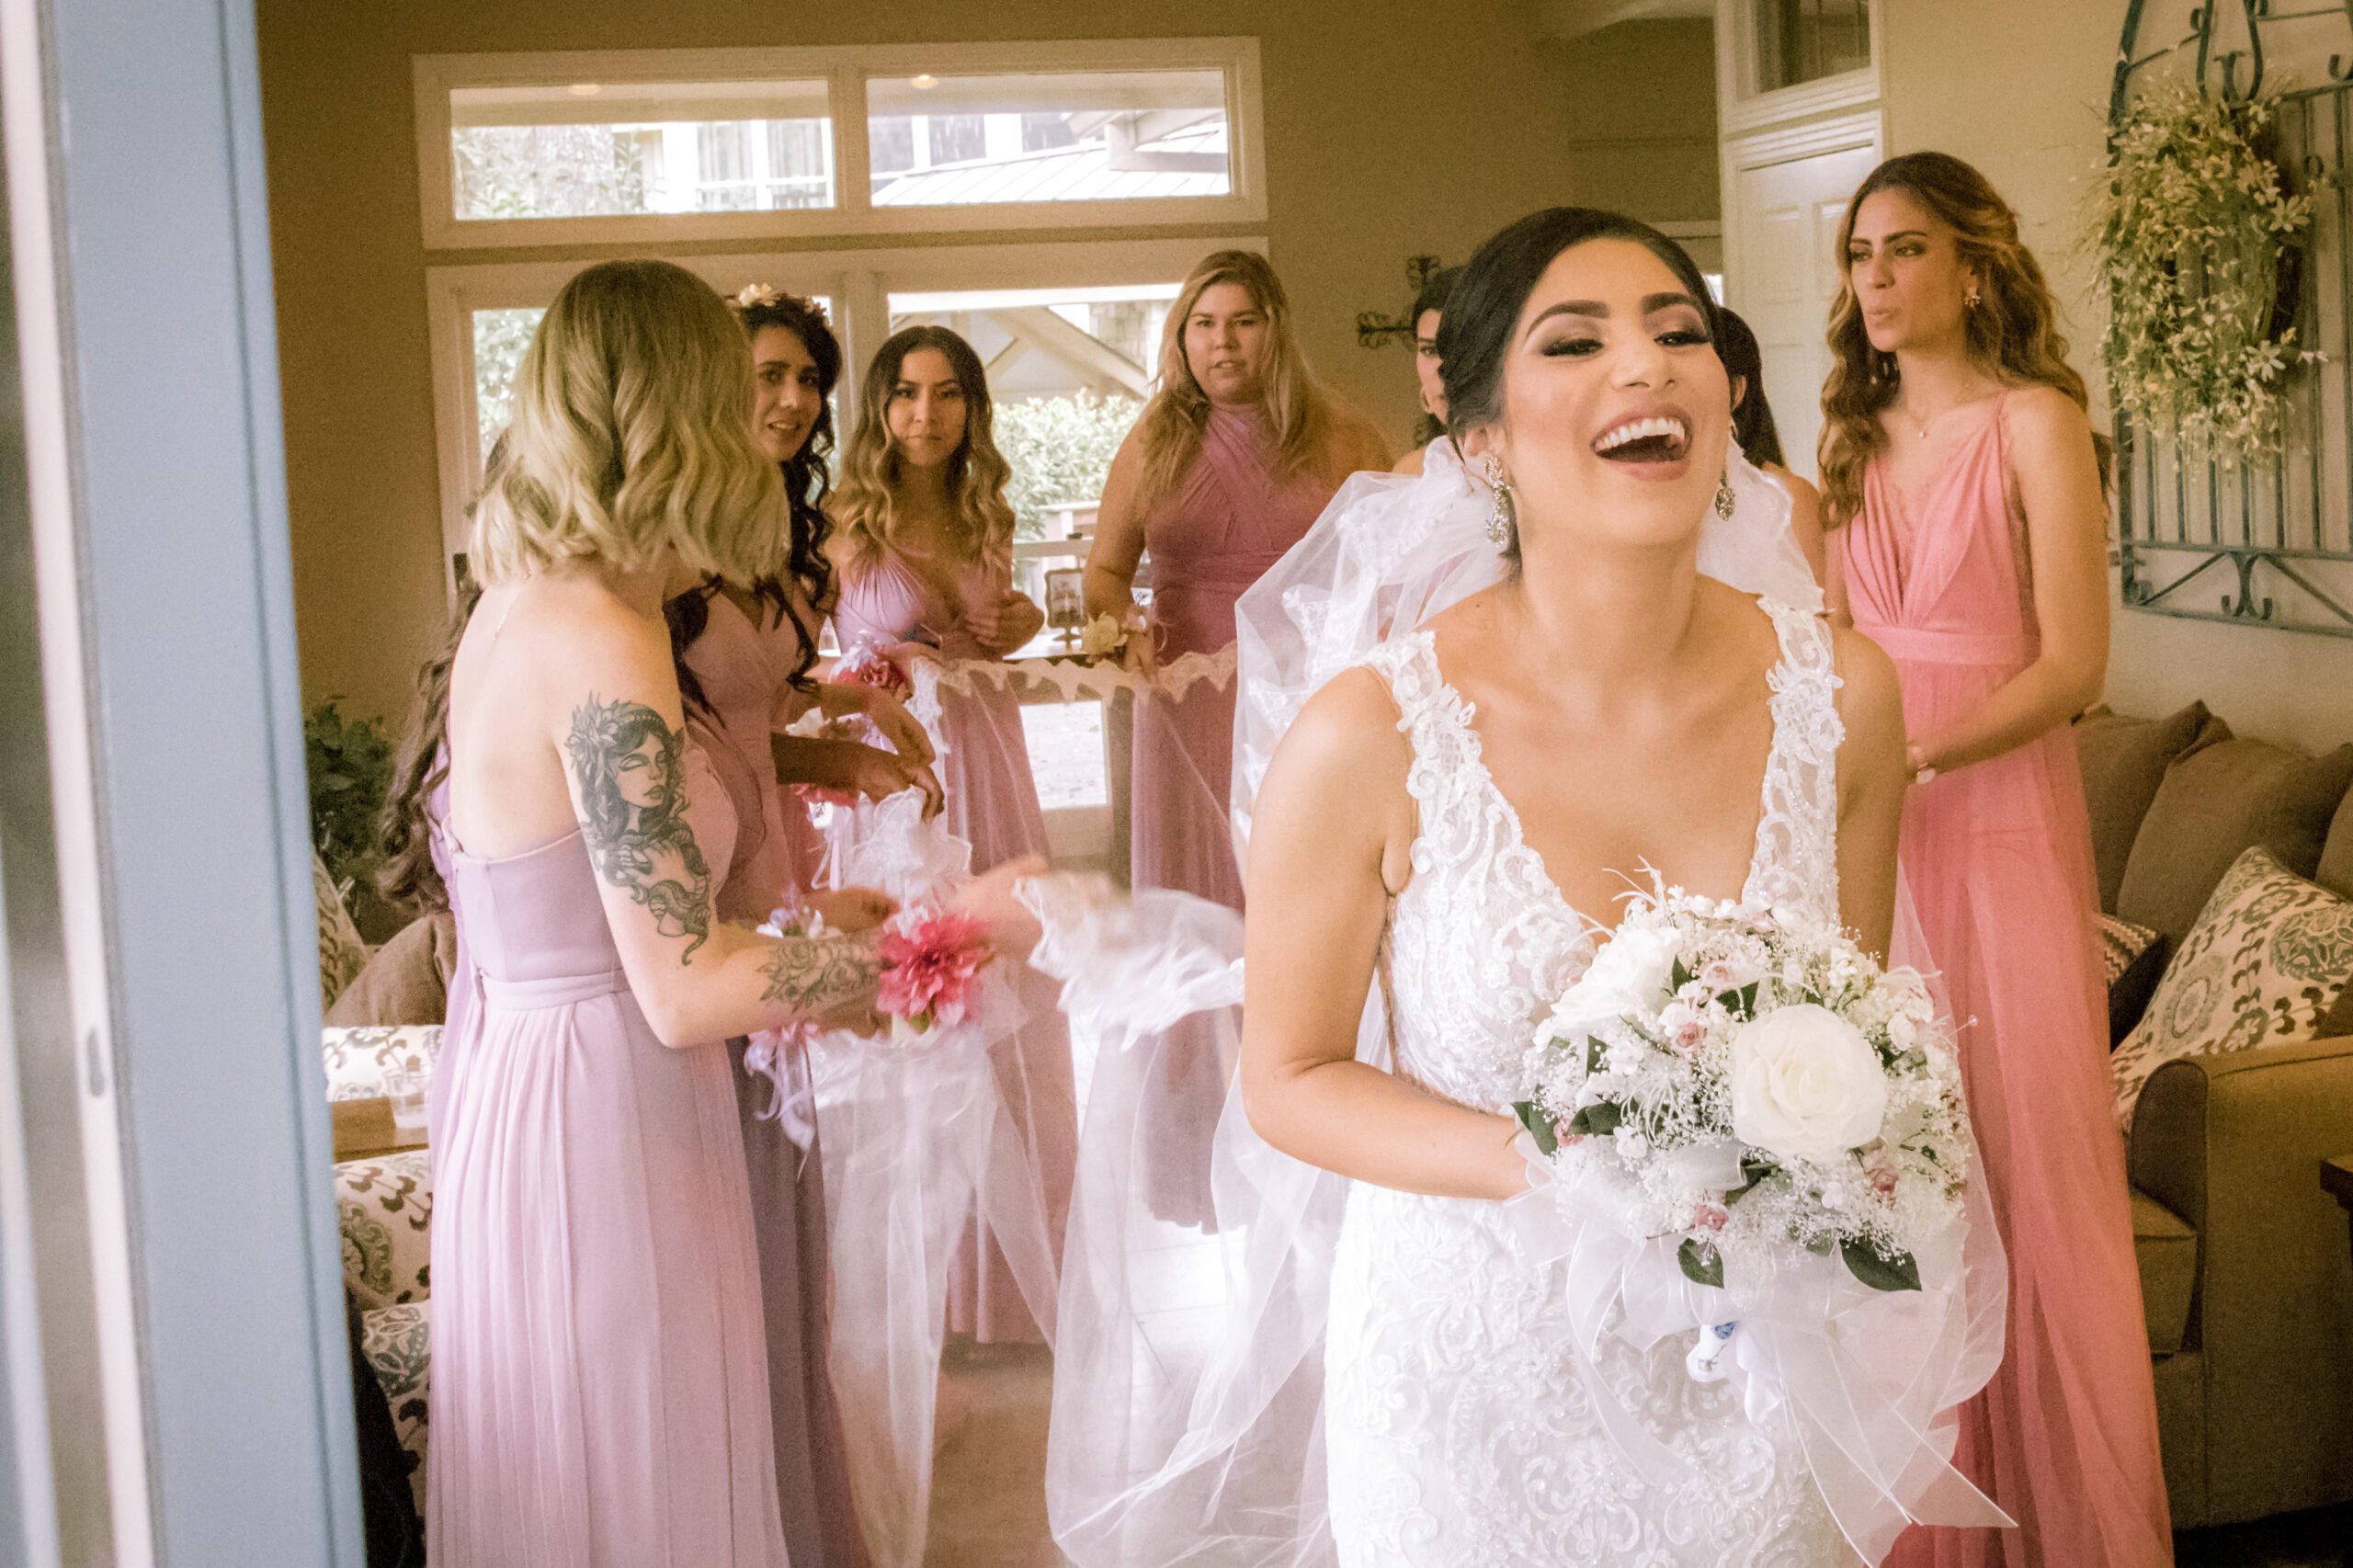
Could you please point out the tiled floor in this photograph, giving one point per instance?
(988, 1482)
(988, 1506)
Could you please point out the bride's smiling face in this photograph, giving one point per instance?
(1615, 408)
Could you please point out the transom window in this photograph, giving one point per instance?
(565, 148)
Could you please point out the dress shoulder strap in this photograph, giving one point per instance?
(1797, 834)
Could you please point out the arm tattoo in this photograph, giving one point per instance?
(813, 975)
(630, 766)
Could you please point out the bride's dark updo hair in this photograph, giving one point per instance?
(1481, 314)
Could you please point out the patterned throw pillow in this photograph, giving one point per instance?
(357, 1059)
(2132, 956)
(395, 1340)
(342, 952)
(386, 1209)
(2268, 958)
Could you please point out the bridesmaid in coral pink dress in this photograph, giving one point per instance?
(924, 540)
(1973, 552)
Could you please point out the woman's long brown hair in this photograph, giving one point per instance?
(2012, 330)
(866, 512)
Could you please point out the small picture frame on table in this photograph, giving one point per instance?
(1066, 600)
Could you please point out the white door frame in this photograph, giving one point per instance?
(176, 1370)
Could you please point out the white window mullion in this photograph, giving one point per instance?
(852, 162)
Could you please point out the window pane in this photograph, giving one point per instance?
(1805, 41)
(601, 150)
(1067, 136)
(500, 338)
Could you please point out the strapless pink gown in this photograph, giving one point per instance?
(1999, 859)
(993, 804)
(1227, 520)
(746, 672)
(600, 1378)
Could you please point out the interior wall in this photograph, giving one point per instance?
(2019, 88)
(1639, 101)
(1381, 143)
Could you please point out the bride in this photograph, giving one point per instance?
(1473, 708)
(1460, 813)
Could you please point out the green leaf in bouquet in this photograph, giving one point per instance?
(1742, 1002)
(1753, 1168)
(1532, 1117)
(1703, 1264)
(1594, 1053)
(1679, 977)
(1900, 1271)
(1597, 1120)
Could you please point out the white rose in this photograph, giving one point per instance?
(1805, 1085)
(1632, 971)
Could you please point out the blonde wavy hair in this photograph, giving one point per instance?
(1298, 407)
(633, 433)
(864, 503)
(2012, 330)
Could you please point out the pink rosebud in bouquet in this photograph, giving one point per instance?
(931, 966)
(1883, 1175)
(867, 665)
(1707, 1215)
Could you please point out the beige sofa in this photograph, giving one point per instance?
(2245, 1271)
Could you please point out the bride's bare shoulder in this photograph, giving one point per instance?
(1350, 723)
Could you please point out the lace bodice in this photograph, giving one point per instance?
(1460, 1436)
(1481, 942)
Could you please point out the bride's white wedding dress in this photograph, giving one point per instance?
(1460, 1433)
(1336, 1372)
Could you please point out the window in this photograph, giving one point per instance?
(1098, 136)
(605, 150)
(1070, 335)
(1805, 40)
(679, 144)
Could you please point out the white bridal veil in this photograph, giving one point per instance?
(1188, 1409)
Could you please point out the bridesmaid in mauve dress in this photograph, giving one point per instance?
(751, 651)
(1973, 552)
(1228, 467)
(601, 1377)
(924, 540)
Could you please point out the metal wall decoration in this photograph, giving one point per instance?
(1373, 328)
(2268, 542)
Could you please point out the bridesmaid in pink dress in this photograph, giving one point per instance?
(1958, 457)
(924, 540)
(751, 652)
(1227, 468)
(600, 1379)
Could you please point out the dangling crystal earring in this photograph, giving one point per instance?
(1500, 512)
(1973, 297)
(1725, 500)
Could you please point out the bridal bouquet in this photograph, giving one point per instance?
(1753, 1082)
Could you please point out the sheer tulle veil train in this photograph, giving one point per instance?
(1188, 1422)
